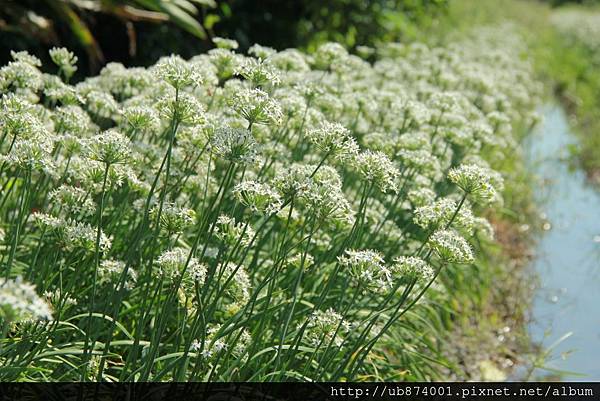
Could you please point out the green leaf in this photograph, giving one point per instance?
(184, 20)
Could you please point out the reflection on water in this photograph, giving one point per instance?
(568, 253)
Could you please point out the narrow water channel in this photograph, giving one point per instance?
(567, 254)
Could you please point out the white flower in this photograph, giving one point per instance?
(261, 52)
(110, 271)
(34, 154)
(330, 55)
(82, 235)
(65, 60)
(186, 109)
(412, 268)
(224, 43)
(323, 325)
(235, 145)
(378, 169)
(290, 60)
(20, 76)
(474, 180)
(258, 72)
(140, 118)
(440, 212)
(451, 247)
(225, 61)
(101, 104)
(177, 72)
(239, 286)
(483, 227)
(195, 346)
(57, 298)
(173, 218)
(71, 120)
(421, 160)
(171, 263)
(334, 139)
(256, 107)
(260, 198)
(304, 260)
(368, 267)
(421, 196)
(109, 147)
(20, 302)
(73, 200)
(25, 57)
(319, 191)
(231, 232)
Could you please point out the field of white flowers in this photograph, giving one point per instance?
(269, 216)
(580, 26)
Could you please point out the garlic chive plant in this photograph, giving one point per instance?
(269, 216)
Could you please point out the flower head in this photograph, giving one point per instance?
(25, 57)
(177, 72)
(368, 267)
(173, 218)
(322, 326)
(441, 212)
(261, 52)
(258, 72)
(260, 198)
(172, 263)
(71, 120)
(186, 109)
(140, 119)
(235, 145)
(474, 180)
(73, 200)
(20, 302)
(224, 43)
(65, 60)
(378, 169)
(256, 107)
(451, 247)
(110, 272)
(109, 147)
(330, 55)
(412, 268)
(334, 139)
(231, 232)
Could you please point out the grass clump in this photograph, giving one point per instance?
(578, 81)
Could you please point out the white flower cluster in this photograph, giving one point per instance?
(231, 232)
(440, 213)
(172, 263)
(20, 302)
(368, 267)
(451, 247)
(173, 218)
(260, 198)
(410, 267)
(110, 272)
(324, 327)
(582, 27)
(334, 139)
(474, 180)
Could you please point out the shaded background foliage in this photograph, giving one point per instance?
(138, 32)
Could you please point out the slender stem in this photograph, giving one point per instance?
(91, 322)
(23, 205)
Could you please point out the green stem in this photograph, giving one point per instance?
(91, 322)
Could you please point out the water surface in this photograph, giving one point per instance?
(567, 254)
